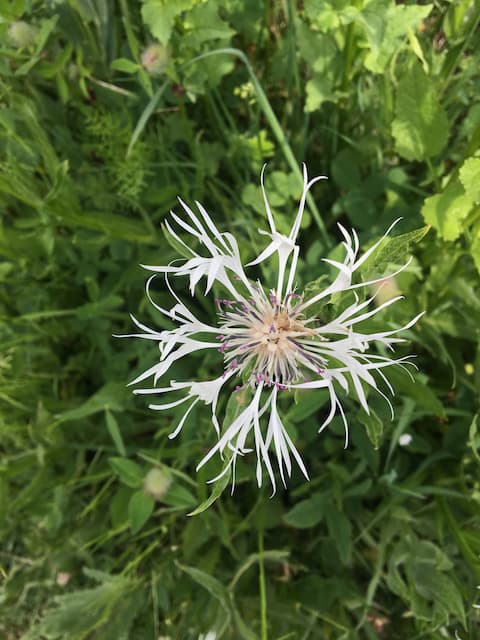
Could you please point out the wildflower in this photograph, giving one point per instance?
(155, 59)
(405, 439)
(22, 35)
(156, 484)
(270, 341)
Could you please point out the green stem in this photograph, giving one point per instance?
(263, 593)
(265, 106)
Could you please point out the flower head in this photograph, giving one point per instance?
(269, 340)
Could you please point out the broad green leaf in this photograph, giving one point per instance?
(421, 127)
(114, 431)
(438, 588)
(318, 50)
(159, 16)
(470, 178)
(129, 472)
(140, 508)
(446, 211)
(319, 90)
(423, 395)
(399, 20)
(203, 24)
(307, 513)
(373, 426)
(306, 404)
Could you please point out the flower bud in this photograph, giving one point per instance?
(156, 484)
(155, 59)
(21, 34)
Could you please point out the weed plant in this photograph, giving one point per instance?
(108, 111)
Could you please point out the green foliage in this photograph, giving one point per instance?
(420, 127)
(109, 110)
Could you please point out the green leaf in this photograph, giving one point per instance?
(108, 397)
(393, 251)
(399, 20)
(214, 587)
(129, 472)
(109, 608)
(421, 127)
(440, 589)
(373, 425)
(307, 513)
(115, 433)
(179, 496)
(474, 437)
(423, 395)
(475, 246)
(446, 211)
(208, 582)
(319, 90)
(177, 246)
(470, 178)
(159, 16)
(340, 530)
(140, 508)
(218, 488)
(125, 65)
(203, 24)
(306, 404)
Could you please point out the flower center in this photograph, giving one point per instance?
(266, 341)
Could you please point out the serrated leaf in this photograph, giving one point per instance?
(129, 472)
(400, 19)
(446, 211)
(203, 24)
(470, 178)
(319, 90)
(421, 127)
(159, 16)
(394, 251)
(140, 508)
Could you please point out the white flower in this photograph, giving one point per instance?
(270, 341)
